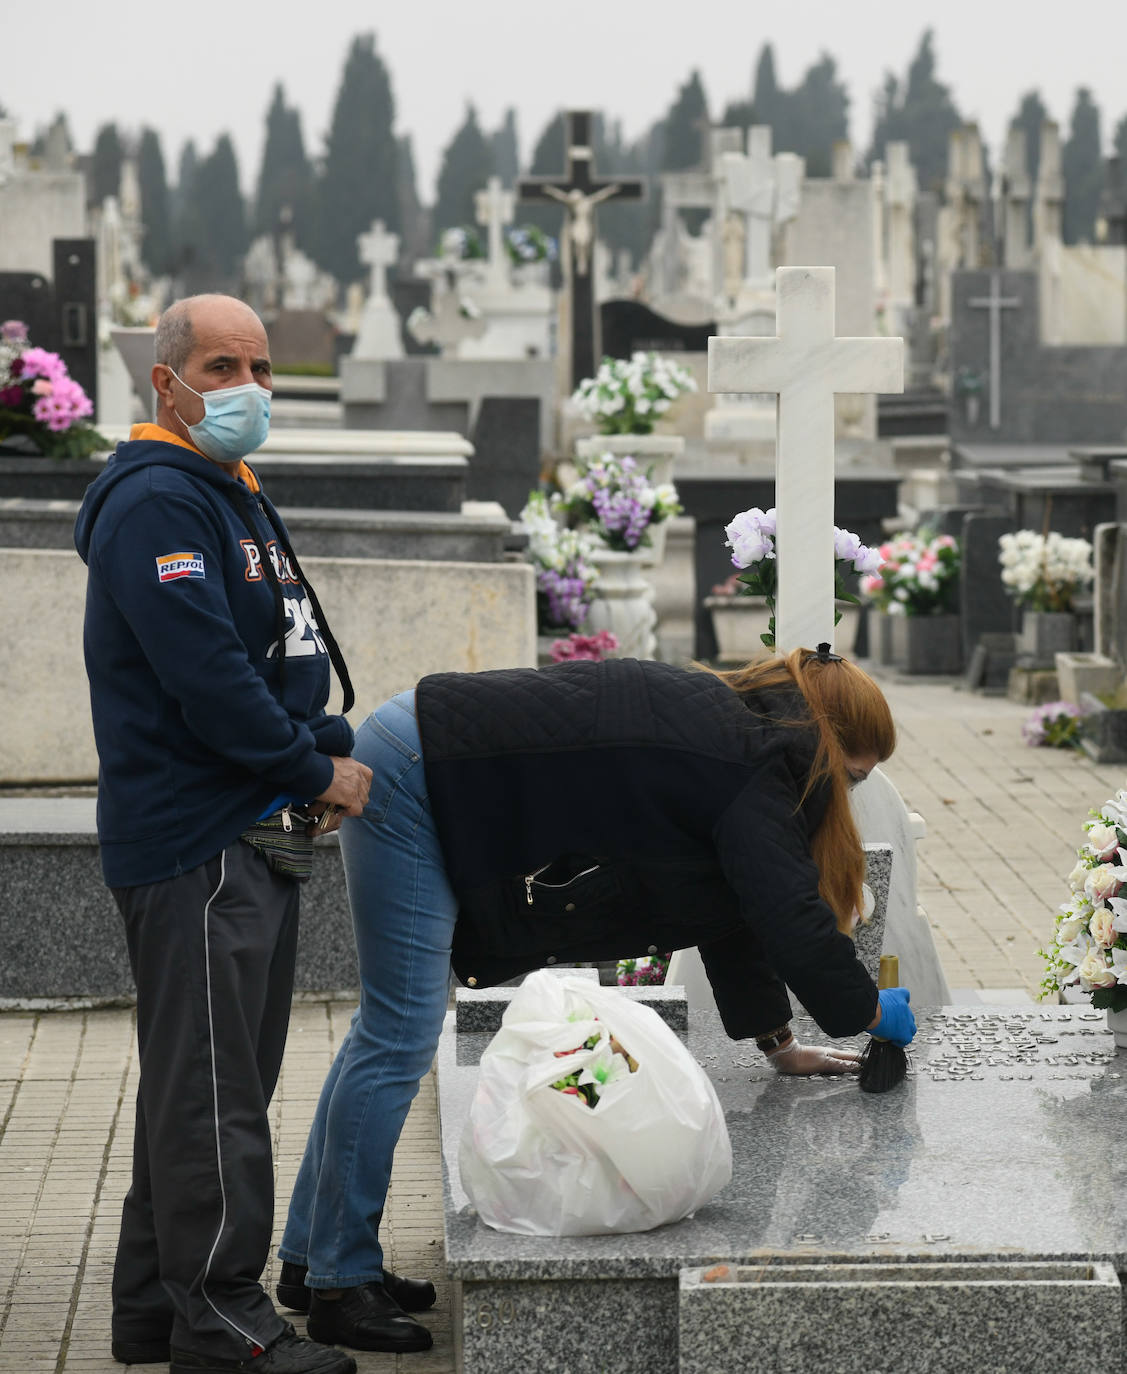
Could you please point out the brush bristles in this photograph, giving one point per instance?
(883, 1065)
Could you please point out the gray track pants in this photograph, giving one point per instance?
(213, 955)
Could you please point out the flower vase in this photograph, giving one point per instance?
(623, 603)
(738, 622)
(655, 454)
(845, 631)
(1117, 1024)
(927, 643)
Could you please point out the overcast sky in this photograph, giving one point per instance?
(193, 70)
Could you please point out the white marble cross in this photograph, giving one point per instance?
(805, 364)
(494, 208)
(750, 183)
(995, 303)
(378, 250)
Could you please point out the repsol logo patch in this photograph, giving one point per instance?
(171, 567)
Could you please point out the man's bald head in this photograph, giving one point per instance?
(176, 329)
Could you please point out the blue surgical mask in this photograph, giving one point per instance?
(236, 420)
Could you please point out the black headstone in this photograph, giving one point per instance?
(985, 607)
(630, 326)
(506, 461)
(76, 301)
(28, 296)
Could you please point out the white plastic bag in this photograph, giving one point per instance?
(539, 1161)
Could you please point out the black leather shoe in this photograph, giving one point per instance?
(412, 1295)
(289, 1354)
(152, 1351)
(365, 1318)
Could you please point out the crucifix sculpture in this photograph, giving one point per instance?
(806, 365)
(579, 192)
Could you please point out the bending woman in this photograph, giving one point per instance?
(587, 811)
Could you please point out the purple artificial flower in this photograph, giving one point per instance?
(13, 331)
(11, 395)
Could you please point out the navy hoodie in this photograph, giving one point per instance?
(196, 734)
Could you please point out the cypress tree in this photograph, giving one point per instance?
(818, 112)
(921, 112)
(506, 150)
(186, 219)
(1083, 168)
(768, 98)
(222, 216)
(1120, 141)
(156, 246)
(414, 219)
(105, 164)
(360, 182)
(285, 179)
(467, 163)
(685, 127)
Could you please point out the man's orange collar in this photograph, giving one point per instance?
(158, 434)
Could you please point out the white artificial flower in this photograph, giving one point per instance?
(1095, 972)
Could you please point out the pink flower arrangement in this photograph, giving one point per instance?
(40, 400)
(594, 648)
(919, 575)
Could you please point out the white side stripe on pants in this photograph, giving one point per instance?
(215, 1109)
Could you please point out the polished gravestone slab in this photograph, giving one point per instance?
(1003, 1146)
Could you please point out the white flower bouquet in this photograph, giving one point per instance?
(1089, 945)
(751, 537)
(565, 571)
(1045, 571)
(630, 397)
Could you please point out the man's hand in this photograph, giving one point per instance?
(807, 1059)
(349, 787)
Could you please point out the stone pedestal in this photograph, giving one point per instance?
(623, 604)
(738, 622)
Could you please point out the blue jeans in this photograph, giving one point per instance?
(403, 912)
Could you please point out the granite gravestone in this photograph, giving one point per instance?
(629, 327)
(506, 443)
(1001, 1148)
(987, 612)
(1043, 394)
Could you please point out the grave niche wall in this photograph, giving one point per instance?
(1049, 394)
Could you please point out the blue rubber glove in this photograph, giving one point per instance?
(896, 1020)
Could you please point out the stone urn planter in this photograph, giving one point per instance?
(624, 603)
(1117, 1024)
(1043, 634)
(927, 644)
(738, 622)
(880, 637)
(655, 453)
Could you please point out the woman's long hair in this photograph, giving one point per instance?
(852, 717)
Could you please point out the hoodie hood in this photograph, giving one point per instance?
(129, 458)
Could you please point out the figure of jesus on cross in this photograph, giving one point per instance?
(805, 364)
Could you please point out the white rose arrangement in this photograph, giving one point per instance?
(630, 397)
(1045, 571)
(1089, 945)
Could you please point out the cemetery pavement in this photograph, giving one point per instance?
(1003, 823)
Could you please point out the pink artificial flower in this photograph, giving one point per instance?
(13, 331)
(42, 387)
(590, 648)
(872, 584)
(37, 362)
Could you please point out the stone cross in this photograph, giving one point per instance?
(579, 191)
(901, 198)
(805, 364)
(1015, 212)
(750, 184)
(378, 250)
(494, 209)
(995, 303)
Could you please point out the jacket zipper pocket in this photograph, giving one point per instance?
(530, 877)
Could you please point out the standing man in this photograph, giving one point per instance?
(208, 660)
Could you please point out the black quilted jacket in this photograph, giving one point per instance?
(593, 811)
